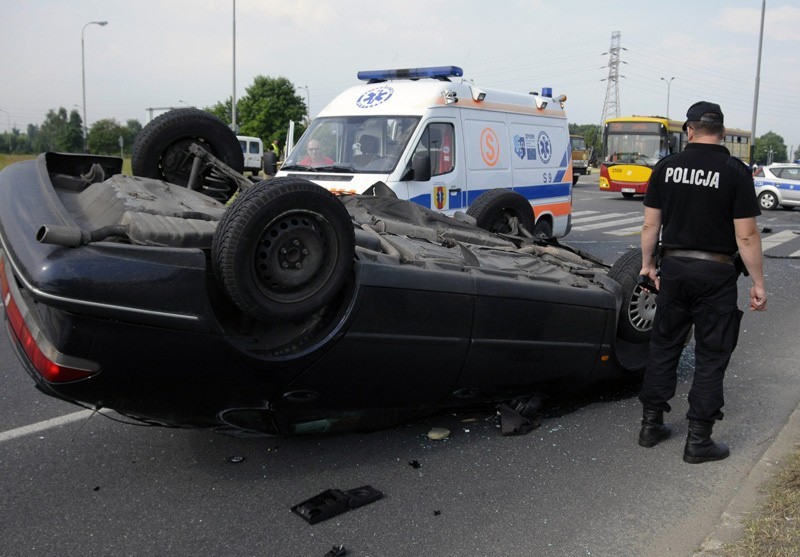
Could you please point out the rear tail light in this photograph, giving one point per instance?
(52, 365)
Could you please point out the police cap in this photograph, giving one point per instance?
(704, 111)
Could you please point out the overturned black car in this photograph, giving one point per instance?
(291, 310)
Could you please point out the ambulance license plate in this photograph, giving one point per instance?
(628, 190)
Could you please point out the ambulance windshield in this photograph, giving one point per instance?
(355, 144)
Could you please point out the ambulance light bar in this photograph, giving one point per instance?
(437, 72)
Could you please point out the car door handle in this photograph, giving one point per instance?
(455, 190)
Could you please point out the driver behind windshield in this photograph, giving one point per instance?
(315, 156)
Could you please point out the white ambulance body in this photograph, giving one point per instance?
(441, 144)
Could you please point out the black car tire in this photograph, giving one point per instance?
(768, 201)
(638, 305)
(627, 195)
(161, 149)
(283, 249)
(493, 208)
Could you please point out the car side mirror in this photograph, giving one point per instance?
(421, 165)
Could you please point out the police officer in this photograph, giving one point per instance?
(703, 204)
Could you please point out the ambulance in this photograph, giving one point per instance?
(442, 143)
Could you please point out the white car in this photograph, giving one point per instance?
(778, 185)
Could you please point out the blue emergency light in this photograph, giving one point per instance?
(437, 72)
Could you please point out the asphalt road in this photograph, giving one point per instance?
(578, 485)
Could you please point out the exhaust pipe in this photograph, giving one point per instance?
(72, 236)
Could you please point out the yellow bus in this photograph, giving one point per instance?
(632, 145)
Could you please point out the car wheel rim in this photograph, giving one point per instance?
(294, 256)
(767, 201)
(642, 309)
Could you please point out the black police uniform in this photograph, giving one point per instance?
(699, 192)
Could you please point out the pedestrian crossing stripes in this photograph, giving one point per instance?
(594, 220)
(613, 224)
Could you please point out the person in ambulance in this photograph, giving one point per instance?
(315, 156)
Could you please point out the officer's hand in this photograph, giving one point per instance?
(652, 273)
(758, 298)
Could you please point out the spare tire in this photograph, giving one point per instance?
(283, 249)
(161, 149)
(493, 209)
(638, 305)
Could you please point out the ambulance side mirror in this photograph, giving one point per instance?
(421, 165)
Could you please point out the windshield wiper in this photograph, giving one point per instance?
(336, 168)
(298, 167)
(326, 168)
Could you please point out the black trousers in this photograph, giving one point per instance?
(703, 293)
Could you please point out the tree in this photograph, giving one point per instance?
(51, 129)
(59, 132)
(266, 108)
(129, 132)
(103, 138)
(72, 137)
(769, 144)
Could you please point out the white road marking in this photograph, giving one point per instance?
(632, 231)
(773, 240)
(595, 226)
(45, 425)
(603, 216)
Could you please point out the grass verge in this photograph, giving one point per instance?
(774, 529)
(7, 159)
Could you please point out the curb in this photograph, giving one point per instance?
(730, 528)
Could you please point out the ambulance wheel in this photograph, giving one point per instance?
(283, 249)
(495, 209)
(575, 178)
(638, 306)
(543, 228)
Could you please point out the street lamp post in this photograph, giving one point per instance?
(308, 101)
(668, 82)
(83, 75)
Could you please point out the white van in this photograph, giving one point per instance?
(253, 151)
(442, 144)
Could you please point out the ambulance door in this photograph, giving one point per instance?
(488, 154)
(444, 191)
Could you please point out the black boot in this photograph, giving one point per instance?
(699, 446)
(653, 428)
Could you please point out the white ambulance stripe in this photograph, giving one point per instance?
(604, 216)
(772, 240)
(640, 218)
(632, 231)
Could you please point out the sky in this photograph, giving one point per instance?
(162, 53)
